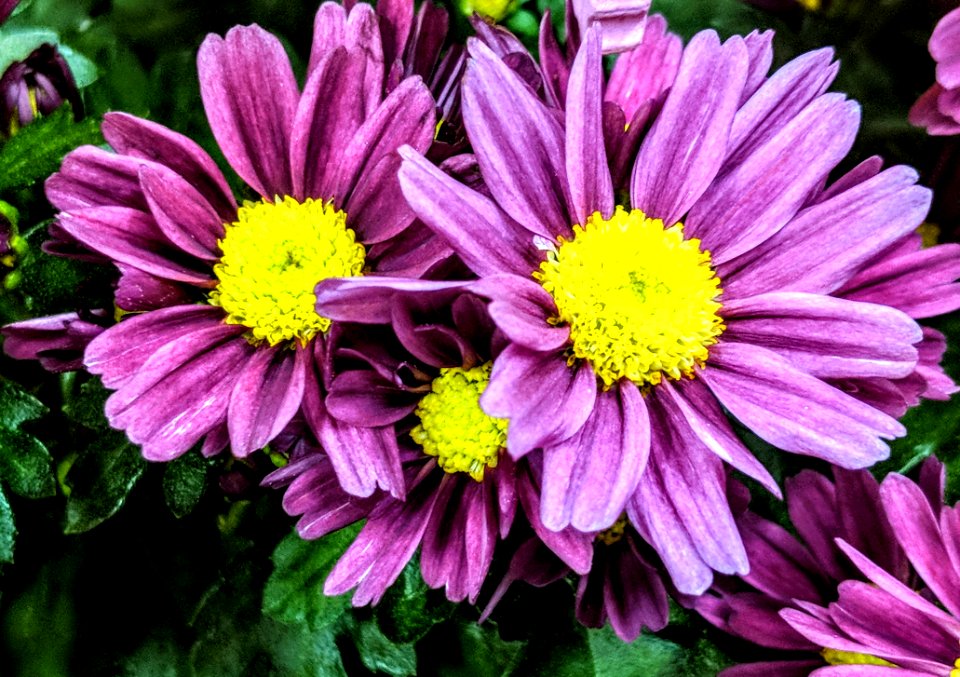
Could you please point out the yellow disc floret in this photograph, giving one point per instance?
(274, 255)
(640, 300)
(615, 533)
(837, 657)
(454, 428)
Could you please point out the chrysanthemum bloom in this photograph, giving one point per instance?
(227, 345)
(36, 86)
(710, 284)
(423, 378)
(884, 626)
(789, 572)
(938, 109)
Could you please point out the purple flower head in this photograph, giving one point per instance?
(938, 109)
(419, 380)
(634, 320)
(36, 86)
(57, 341)
(226, 346)
(888, 596)
(790, 572)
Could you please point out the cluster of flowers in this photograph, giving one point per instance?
(496, 304)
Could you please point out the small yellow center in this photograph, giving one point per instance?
(837, 657)
(811, 5)
(614, 533)
(274, 255)
(640, 300)
(454, 428)
(495, 9)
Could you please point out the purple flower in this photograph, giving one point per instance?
(36, 86)
(938, 109)
(420, 380)
(905, 612)
(635, 320)
(57, 341)
(792, 573)
(226, 345)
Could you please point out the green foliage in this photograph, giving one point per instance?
(379, 654)
(100, 480)
(409, 609)
(294, 591)
(25, 464)
(8, 531)
(36, 150)
(647, 656)
(184, 481)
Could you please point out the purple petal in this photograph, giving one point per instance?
(574, 547)
(182, 213)
(362, 35)
(518, 143)
(129, 236)
(693, 403)
(683, 151)
(588, 478)
(163, 408)
(363, 398)
(329, 30)
(370, 300)
(917, 531)
(316, 494)
(267, 395)
(486, 239)
(147, 140)
(591, 188)
(367, 183)
(522, 310)
(93, 177)
(920, 283)
(396, 18)
(779, 565)
(138, 291)
(827, 243)
(364, 458)
(382, 548)
(760, 47)
(250, 97)
(644, 73)
(323, 125)
(120, 352)
(795, 411)
(778, 101)
(764, 191)
(634, 596)
(545, 400)
(812, 506)
(827, 337)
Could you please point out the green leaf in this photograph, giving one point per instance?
(36, 151)
(184, 481)
(408, 610)
(467, 649)
(294, 591)
(295, 651)
(26, 465)
(646, 656)
(17, 43)
(18, 406)
(83, 69)
(564, 652)
(379, 654)
(84, 405)
(8, 532)
(100, 481)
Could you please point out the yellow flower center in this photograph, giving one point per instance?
(811, 5)
(614, 533)
(454, 428)
(837, 657)
(274, 255)
(495, 9)
(640, 300)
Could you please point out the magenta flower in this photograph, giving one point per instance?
(36, 86)
(885, 621)
(791, 573)
(711, 286)
(938, 109)
(226, 346)
(422, 377)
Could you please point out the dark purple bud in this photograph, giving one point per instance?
(57, 341)
(36, 86)
(6, 8)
